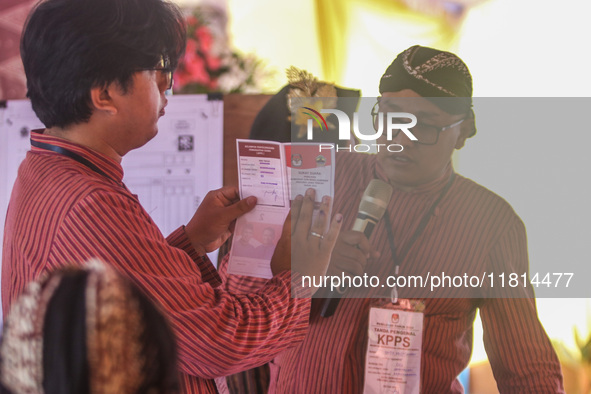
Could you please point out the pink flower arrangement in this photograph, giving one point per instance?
(199, 68)
(208, 66)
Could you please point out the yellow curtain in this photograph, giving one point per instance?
(332, 21)
(356, 35)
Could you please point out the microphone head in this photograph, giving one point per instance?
(375, 199)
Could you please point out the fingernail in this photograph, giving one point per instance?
(310, 192)
(299, 197)
(339, 217)
(251, 201)
(325, 199)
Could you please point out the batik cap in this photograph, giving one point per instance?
(431, 73)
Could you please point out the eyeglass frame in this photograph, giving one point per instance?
(164, 67)
(437, 129)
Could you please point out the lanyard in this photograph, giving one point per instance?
(398, 259)
(70, 154)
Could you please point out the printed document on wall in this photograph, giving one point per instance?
(172, 173)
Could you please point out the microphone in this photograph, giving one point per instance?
(372, 207)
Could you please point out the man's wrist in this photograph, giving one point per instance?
(199, 248)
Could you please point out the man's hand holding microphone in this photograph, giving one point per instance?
(353, 250)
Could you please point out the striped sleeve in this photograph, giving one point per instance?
(520, 353)
(218, 333)
(179, 239)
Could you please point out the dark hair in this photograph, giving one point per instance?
(71, 46)
(65, 362)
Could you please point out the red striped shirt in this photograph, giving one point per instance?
(472, 231)
(63, 212)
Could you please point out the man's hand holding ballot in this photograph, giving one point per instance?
(213, 222)
(304, 238)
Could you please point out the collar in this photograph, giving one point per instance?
(107, 165)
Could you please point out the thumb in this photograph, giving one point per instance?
(241, 207)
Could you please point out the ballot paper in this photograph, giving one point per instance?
(275, 173)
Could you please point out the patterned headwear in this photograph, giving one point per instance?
(114, 328)
(431, 73)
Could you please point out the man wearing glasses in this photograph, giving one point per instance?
(97, 72)
(436, 221)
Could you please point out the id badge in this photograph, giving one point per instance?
(393, 357)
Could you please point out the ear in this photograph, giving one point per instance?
(466, 131)
(102, 98)
(461, 141)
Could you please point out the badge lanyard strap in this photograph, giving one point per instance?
(422, 225)
(70, 154)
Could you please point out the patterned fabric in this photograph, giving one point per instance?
(62, 211)
(472, 230)
(21, 370)
(114, 329)
(442, 60)
(433, 74)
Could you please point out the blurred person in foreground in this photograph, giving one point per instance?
(97, 72)
(466, 229)
(86, 330)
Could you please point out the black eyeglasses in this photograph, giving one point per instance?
(426, 134)
(165, 69)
